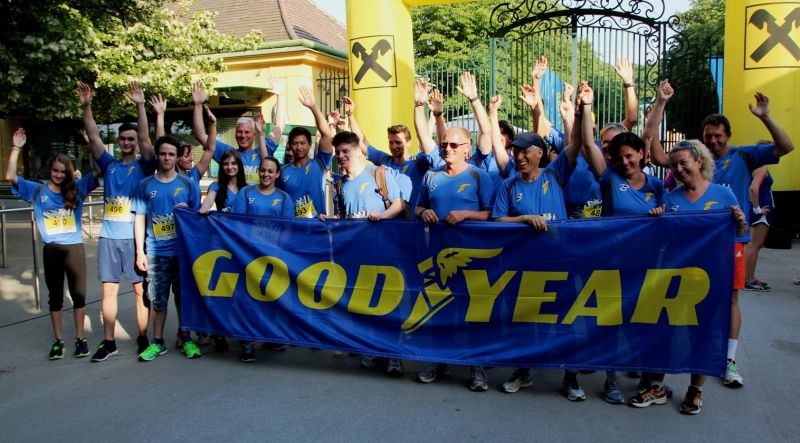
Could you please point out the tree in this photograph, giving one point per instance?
(48, 48)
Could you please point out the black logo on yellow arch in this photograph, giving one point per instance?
(372, 60)
(772, 36)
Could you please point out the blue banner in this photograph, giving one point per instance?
(644, 293)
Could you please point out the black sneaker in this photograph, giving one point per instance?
(81, 348)
(105, 349)
(220, 344)
(57, 350)
(693, 402)
(141, 343)
(248, 354)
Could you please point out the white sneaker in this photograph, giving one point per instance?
(521, 378)
(479, 382)
(394, 367)
(572, 389)
(732, 379)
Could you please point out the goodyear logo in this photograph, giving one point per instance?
(772, 36)
(373, 62)
(378, 290)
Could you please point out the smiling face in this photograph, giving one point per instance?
(527, 159)
(230, 167)
(684, 166)
(185, 159)
(716, 139)
(398, 145)
(167, 157)
(245, 135)
(58, 171)
(627, 164)
(456, 146)
(268, 172)
(128, 141)
(347, 154)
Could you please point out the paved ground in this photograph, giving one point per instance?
(305, 395)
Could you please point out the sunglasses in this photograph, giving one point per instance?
(452, 145)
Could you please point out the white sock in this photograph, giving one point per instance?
(732, 343)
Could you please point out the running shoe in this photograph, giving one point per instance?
(220, 344)
(796, 281)
(248, 354)
(432, 372)
(370, 362)
(105, 349)
(81, 348)
(693, 402)
(649, 396)
(479, 381)
(202, 339)
(762, 283)
(190, 350)
(612, 393)
(56, 350)
(732, 379)
(572, 389)
(152, 351)
(754, 286)
(520, 378)
(394, 367)
(141, 343)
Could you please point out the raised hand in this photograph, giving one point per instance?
(665, 91)
(135, 93)
(566, 106)
(349, 105)
(468, 87)
(529, 95)
(540, 68)
(761, 109)
(260, 123)
(495, 103)
(307, 98)
(624, 70)
(278, 86)
(421, 91)
(158, 103)
(199, 95)
(436, 101)
(85, 94)
(212, 119)
(19, 138)
(585, 94)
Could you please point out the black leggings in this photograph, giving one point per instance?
(69, 260)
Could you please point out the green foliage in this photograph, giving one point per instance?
(47, 49)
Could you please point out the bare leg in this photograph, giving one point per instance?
(79, 315)
(736, 316)
(758, 235)
(109, 308)
(56, 318)
(141, 310)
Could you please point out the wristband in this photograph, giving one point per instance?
(578, 113)
(628, 85)
(418, 104)
(474, 99)
(757, 210)
(18, 147)
(438, 114)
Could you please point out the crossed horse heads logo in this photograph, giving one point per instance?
(435, 293)
(778, 34)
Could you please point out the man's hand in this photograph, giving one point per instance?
(436, 101)
(468, 87)
(536, 221)
(85, 94)
(565, 107)
(307, 98)
(429, 216)
(212, 119)
(539, 69)
(455, 217)
(278, 87)
(349, 105)
(761, 109)
(199, 95)
(421, 91)
(375, 216)
(141, 262)
(495, 103)
(585, 94)
(624, 71)
(664, 91)
(529, 95)
(158, 103)
(260, 123)
(135, 93)
(739, 218)
(658, 210)
(19, 138)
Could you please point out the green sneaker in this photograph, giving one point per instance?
(190, 350)
(57, 350)
(152, 351)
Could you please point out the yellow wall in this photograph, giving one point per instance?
(776, 75)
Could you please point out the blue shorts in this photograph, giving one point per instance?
(163, 273)
(116, 257)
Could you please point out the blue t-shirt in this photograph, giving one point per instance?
(229, 199)
(715, 197)
(55, 224)
(555, 139)
(360, 195)
(157, 201)
(471, 190)
(250, 159)
(582, 195)
(488, 163)
(543, 196)
(735, 170)
(619, 198)
(252, 202)
(414, 168)
(306, 184)
(194, 174)
(120, 182)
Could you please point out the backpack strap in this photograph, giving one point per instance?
(380, 181)
(340, 198)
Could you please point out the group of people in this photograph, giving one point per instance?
(530, 177)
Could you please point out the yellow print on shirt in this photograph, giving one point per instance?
(164, 227)
(709, 205)
(648, 196)
(363, 186)
(276, 201)
(545, 187)
(462, 187)
(117, 208)
(177, 191)
(60, 221)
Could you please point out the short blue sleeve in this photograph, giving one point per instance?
(86, 185)
(104, 160)
(325, 159)
(25, 189)
(486, 193)
(501, 201)
(555, 139)
(139, 204)
(376, 156)
(422, 199)
(287, 209)
(219, 149)
(271, 145)
(760, 155)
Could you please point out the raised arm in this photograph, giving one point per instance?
(211, 143)
(349, 111)
(783, 143)
(593, 155)
(436, 104)
(577, 140)
(260, 126)
(541, 124)
(624, 70)
(498, 142)
(567, 110)
(17, 142)
(136, 95)
(308, 100)
(160, 108)
(279, 119)
(469, 89)
(199, 98)
(426, 142)
(664, 92)
(85, 95)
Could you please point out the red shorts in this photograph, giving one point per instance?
(738, 267)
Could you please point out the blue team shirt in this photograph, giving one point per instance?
(470, 190)
(619, 198)
(582, 195)
(120, 182)
(229, 199)
(252, 202)
(735, 170)
(55, 224)
(715, 197)
(414, 168)
(488, 163)
(360, 194)
(194, 174)
(306, 184)
(157, 201)
(250, 159)
(543, 196)
(555, 139)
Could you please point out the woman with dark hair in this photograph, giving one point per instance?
(231, 179)
(57, 206)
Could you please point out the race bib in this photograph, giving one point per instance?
(592, 209)
(251, 175)
(164, 227)
(117, 209)
(304, 208)
(60, 221)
